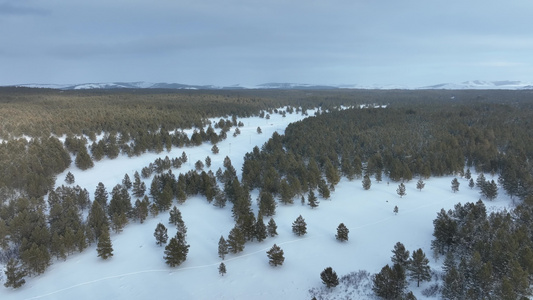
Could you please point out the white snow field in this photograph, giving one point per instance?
(138, 271)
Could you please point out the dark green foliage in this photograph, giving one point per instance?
(222, 247)
(236, 240)
(176, 251)
(312, 201)
(272, 228)
(455, 185)
(401, 190)
(400, 255)
(420, 184)
(104, 248)
(275, 256)
(342, 233)
(490, 190)
(97, 220)
(101, 195)
(14, 274)
(222, 269)
(126, 181)
(418, 267)
(84, 160)
(395, 210)
(471, 183)
(215, 149)
(366, 182)
(389, 283)
(329, 277)
(140, 209)
(267, 205)
(260, 229)
(323, 189)
(160, 234)
(299, 227)
(69, 178)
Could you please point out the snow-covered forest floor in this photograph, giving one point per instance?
(138, 271)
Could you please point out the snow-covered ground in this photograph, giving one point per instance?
(137, 269)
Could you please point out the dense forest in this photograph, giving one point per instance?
(355, 133)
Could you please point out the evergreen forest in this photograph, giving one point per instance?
(357, 134)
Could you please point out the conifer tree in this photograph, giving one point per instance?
(83, 159)
(176, 251)
(97, 219)
(267, 205)
(272, 228)
(101, 195)
(236, 240)
(299, 227)
(468, 175)
(126, 181)
(329, 277)
(222, 269)
(323, 189)
(455, 185)
(342, 233)
(389, 283)
(311, 199)
(260, 229)
(104, 248)
(160, 234)
(471, 183)
(490, 190)
(401, 190)
(222, 248)
(480, 181)
(215, 149)
(420, 184)
(69, 178)
(400, 255)
(275, 256)
(395, 210)
(418, 267)
(366, 182)
(14, 274)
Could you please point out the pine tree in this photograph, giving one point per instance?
(215, 149)
(329, 277)
(471, 183)
(366, 182)
(311, 199)
(401, 190)
(490, 190)
(236, 240)
(97, 219)
(104, 246)
(395, 210)
(480, 181)
(272, 228)
(101, 195)
(126, 181)
(83, 159)
(455, 185)
(419, 267)
(260, 229)
(222, 248)
(222, 269)
(14, 274)
(275, 256)
(389, 283)
(420, 184)
(69, 178)
(176, 251)
(299, 227)
(267, 205)
(160, 234)
(468, 175)
(342, 233)
(400, 255)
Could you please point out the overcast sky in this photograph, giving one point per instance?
(223, 42)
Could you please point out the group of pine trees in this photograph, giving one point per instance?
(391, 282)
(417, 135)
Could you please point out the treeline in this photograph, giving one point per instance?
(426, 140)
